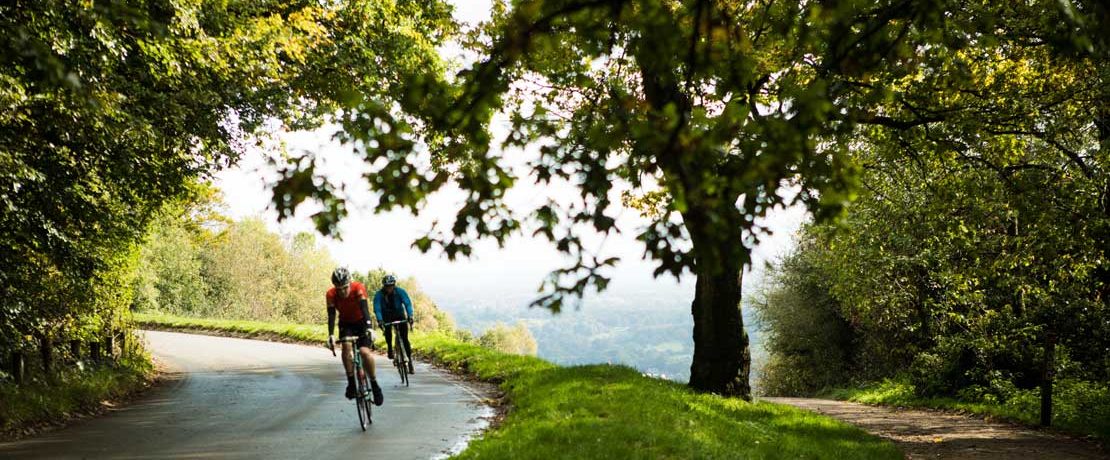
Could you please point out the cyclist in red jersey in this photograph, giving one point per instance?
(348, 301)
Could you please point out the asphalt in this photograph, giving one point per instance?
(235, 398)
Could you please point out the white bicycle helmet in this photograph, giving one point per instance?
(341, 277)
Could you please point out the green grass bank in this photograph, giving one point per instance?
(602, 411)
(1080, 408)
(72, 391)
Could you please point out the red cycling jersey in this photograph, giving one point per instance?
(348, 307)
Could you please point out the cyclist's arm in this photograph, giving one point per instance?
(408, 302)
(378, 307)
(331, 320)
(362, 304)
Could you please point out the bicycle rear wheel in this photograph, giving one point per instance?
(367, 401)
(399, 363)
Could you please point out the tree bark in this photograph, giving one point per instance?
(722, 359)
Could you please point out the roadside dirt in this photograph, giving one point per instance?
(925, 434)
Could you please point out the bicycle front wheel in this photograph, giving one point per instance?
(362, 405)
(402, 362)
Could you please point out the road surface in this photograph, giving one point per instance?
(235, 398)
(925, 434)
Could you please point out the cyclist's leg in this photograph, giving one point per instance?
(388, 331)
(348, 364)
(364, 350)
(368, 365)
(345, 348)
(368, 362)
(403, 330)
(348, 358)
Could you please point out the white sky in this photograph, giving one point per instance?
(371, 241)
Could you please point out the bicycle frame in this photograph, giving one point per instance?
(401, 357)
(362, 401)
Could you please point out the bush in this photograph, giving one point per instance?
(810, 345)
(515, 340)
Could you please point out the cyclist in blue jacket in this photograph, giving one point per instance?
(392, 303)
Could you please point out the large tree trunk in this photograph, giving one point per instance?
(722, 360)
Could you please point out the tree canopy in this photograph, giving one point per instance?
(113, 109)
(712, 110)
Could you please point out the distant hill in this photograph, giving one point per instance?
(646, 329)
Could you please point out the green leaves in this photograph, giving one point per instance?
(113, 110)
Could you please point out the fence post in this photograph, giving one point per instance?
(17, 367)
(46, 347)
(1046, 378)
(110, 346)
(94, 351)
(75, 350)
(123, 344)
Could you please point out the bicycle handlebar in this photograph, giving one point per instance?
(347, 338)
(395, 322)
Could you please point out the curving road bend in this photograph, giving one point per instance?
(235, 398)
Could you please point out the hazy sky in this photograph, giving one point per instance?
(371, 241)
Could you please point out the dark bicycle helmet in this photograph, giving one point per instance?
(389, 280)
(341, 277)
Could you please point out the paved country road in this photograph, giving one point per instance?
(235, 398)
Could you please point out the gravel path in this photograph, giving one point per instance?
(924, 434)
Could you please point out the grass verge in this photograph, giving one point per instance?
(71, 393)
(604, 411)
(302, 333)
(1079, 408)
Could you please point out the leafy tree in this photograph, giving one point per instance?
(309, 268)
(983, 230)
(246, 268)
(169, 274)
(112, 109)
(516, 339)
(707, 109)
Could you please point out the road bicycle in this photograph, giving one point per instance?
(363, 399)
(401, 357)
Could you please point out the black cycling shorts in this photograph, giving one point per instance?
(356, 329)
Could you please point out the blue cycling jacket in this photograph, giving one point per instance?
(395, 312)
